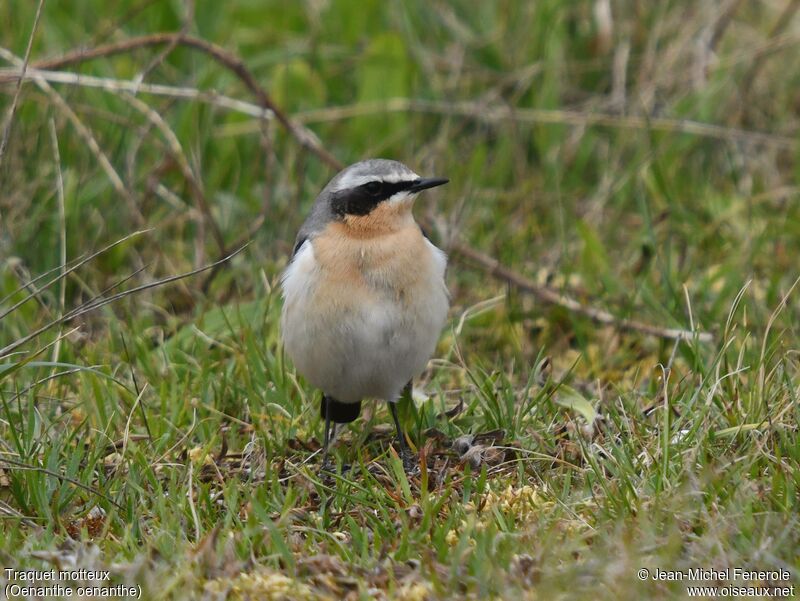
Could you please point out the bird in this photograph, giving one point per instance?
(364, 294)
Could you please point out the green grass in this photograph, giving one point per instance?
(167, 438)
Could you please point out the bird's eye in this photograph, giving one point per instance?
(373, 187)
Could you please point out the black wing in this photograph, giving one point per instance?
(300, 241)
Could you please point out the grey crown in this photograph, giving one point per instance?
(322, 213)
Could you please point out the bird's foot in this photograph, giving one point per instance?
(328, 468)
(410, 462)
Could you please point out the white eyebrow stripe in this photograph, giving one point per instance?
(353, 181)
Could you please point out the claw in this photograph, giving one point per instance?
(328, 468)
(410, 463)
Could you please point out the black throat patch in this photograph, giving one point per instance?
(362, 199)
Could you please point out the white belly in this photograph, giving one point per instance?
(366, 339)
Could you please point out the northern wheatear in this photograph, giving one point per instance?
(364, 294)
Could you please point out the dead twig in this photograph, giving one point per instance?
(495, 114)
(7, 511)
(227, 59)
(496, 269)
(478, 111)
(64, 272)
(103, 301)
(113, 85)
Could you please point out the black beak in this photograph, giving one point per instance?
(427, 182)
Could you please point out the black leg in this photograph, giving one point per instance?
(405, 454)
(327, 436)
(400, 436)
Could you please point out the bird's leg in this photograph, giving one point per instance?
(400, 436)
(405, 453)
(326, 466)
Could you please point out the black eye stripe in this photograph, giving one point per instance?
(362, 199)
(383, 190)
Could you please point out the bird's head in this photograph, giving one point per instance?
(376, 195)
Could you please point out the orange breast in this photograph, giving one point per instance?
(364, 260)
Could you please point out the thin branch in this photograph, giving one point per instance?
(77, 265)
(496, 269)
(114, 285)
(468, 109)
(494, 114)
(82, 310)
(126, 85)
(227, 59)
(22, 275)
(6, 511)
(102, 302)
(29, 284)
